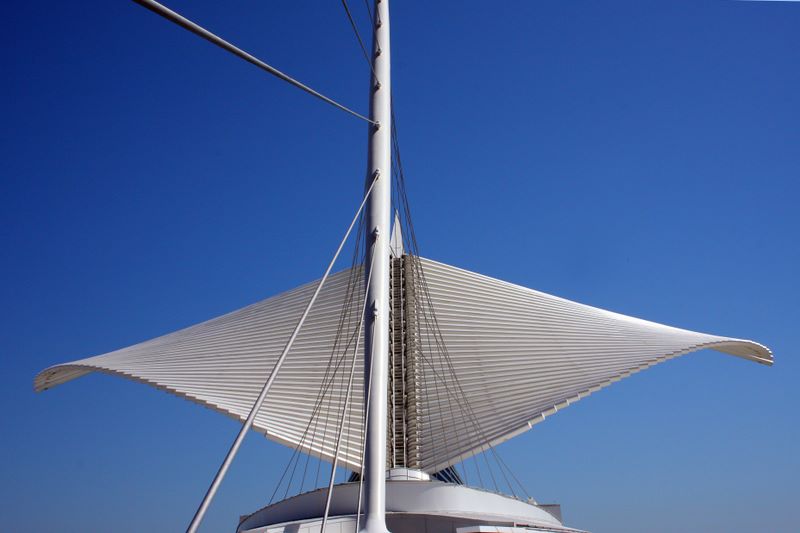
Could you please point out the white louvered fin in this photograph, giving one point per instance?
(522, 355)
(223, 363)
(519, 355)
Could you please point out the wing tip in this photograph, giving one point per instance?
(57, 375)
(745, 349)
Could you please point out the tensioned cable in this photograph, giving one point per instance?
(331, 371)
(344, 316)
(400, 176)
(414, 250)
(347, 396)
(198, 30)
(369, 9)
(327, 383)
(352, 283)
(364, 428)
(358, 36)
(377, 20)
(464, 403)
(212, 490)
(328, 380)
(437, 332)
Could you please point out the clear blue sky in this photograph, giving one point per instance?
(639, 156)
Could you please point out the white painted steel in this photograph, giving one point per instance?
(222, 364)
(377, 310)
(343, 415)
(427, 503)
(248, 423)
(521, 355)
(396, 241)
(406, 474)
(198, 30)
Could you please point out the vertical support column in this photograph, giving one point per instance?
(377, 309)
(397, 367)
(412, 363)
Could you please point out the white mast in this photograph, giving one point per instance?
(376, 320)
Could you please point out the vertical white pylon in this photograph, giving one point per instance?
(376, 318)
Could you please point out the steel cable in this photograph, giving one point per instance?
(198, 30)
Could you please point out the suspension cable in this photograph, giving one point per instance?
(358, 37)
(439, 341)
(328, 379)
(223, 469)
(198, 30)
(399, 175)
(347, 397)
(345, 315)
(364, 428)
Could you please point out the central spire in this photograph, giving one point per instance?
(376, 319)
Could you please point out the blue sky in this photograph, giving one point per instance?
(637, 156)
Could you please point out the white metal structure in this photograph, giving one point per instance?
(412, 506)
(521, 354)
(376, 311)
(505, 357)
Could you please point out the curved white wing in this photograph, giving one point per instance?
(517, 355)
(224, 362)
(521, 355)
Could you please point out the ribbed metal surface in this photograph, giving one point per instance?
(521, 355)
(223, 363)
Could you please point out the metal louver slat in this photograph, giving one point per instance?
(519, 355)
